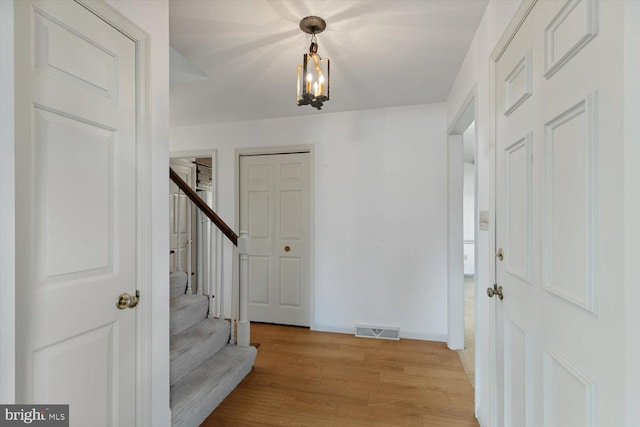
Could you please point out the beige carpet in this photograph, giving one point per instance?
(467, 356)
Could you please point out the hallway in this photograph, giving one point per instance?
(302, 377)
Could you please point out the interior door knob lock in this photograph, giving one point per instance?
(127, 301)
(500, 254)
(496, 290)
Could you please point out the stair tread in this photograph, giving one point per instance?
(192, 346)
(199, 392)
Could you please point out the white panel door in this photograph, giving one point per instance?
(179, 221)
(559, 170)
(76, 231)
(274, 210)
(291, 239)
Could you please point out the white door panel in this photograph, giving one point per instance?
(75, 115)
(178, 200)
(274, 210)
(292, 239)
(256, 217)
(559, 169)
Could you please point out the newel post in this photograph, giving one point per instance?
(243, 318)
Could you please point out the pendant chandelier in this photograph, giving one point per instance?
(313, 74)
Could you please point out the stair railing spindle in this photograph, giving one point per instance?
(199, 266)
(210, 285)
(221, 282)
(178, 249)
(189, 248)
(234, 294)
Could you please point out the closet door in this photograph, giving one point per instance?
(274, 211)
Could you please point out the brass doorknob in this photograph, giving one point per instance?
(496, 290)
(287, 248)
(127, 301)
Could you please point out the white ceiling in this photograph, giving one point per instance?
(383, 53)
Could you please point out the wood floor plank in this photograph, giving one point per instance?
(307, 378)
(443, 372)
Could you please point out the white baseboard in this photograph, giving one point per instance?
(423, 336)
(481, 420)
(403, 334)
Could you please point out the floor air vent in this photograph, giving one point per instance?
(384, 333)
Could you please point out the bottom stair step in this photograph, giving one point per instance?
(199, 392)
(193, 346)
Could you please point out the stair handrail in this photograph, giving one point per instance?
(202, 205)
(240, 254)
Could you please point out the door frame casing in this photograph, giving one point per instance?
(143, 187)
(631, 211)
(7, 205)
(467, 113)
(213, 153)
(286, 149)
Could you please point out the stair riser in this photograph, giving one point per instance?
(200, 392)
(204, 349)
(177, 291)
(189, 316)
(178, 278)
(178, 284)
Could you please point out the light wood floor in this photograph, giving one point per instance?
(467, 356)
(305, 378)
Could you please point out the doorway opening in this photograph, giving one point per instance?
(467, 355)
(195, 243)
(462, 232)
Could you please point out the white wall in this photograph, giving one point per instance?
(468, 216)
(469, 199)
(7, 207)
(153, 17)
(380, 210)
(475, 70)
(468, 187)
